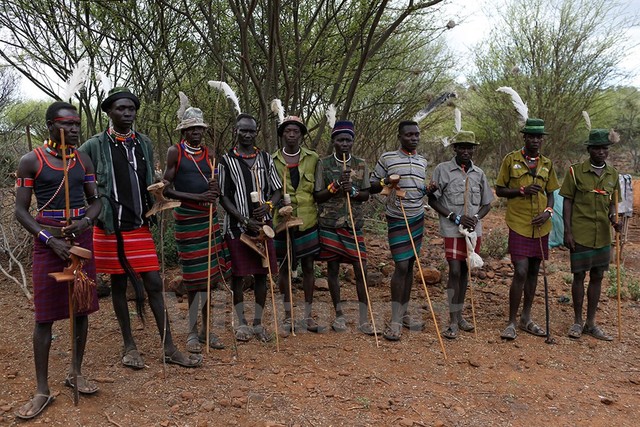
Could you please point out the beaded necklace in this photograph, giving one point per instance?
(184, 144)
(598, 167)
(291, 155)
(51, 147)
(190, 149)
(530, 159)
(245, 156)
(340, 160)
(121, 137)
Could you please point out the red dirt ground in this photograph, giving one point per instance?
(344, 379)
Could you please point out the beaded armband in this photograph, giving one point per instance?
(24, 182)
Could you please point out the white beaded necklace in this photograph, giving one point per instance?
(291, 155)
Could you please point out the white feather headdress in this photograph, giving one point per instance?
(457, 116)
(587, 120)
(331, 115)
(184, 104)
(228, 92)
(431, 107)
(520, 106)
(76, 81)
(105, 82)
(278, 109)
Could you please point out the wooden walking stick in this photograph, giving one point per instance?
(615, 195)
(285, 196)
(469, 282)
(547, 316)
(355, 237)
(213, 166)
(72, 317)
(266, 251)
(424, 283)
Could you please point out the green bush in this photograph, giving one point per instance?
(630, 286)
(494, 244)
(171, 259)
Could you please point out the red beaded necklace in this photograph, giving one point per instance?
(246, 156)
(51, 147)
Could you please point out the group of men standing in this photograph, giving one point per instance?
(108, 179)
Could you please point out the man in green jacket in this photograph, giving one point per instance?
(123, 245)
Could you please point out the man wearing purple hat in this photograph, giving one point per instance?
(338, 176)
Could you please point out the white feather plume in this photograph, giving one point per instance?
(105, 82)
(520, 106)
(184, 104)
(458, 119)
(277, 108)
(77, 80)
(331, 115)
(228, 92)
(431, 107)
(587, 120)
(445, 141)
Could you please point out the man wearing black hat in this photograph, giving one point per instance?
(588, 212)
(297, 166)
(527, 179)
(123, 244)
(338, 176)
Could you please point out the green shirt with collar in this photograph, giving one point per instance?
(514, 173)
(591, 195)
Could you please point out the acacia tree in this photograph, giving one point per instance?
(559, 55)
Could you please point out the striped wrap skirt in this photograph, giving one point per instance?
(339, 244)
(399, 242)
(139, 250)
(192, 243)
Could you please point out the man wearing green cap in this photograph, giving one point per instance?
(123, 244)
(588, 213)
(462, 197)
(406, 170)
(297, 167)
(527, 179)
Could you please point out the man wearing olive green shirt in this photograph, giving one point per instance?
(588, 212)
(527, 179)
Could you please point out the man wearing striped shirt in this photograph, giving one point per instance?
(243, 170)
(411, 167)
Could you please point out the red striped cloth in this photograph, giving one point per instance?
(139, 249)
(338, 244)
(455, 248)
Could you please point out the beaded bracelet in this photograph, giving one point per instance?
(333, 188)
(270, 204)
(550, 210)
(522, 190)
(457, 220)
(44, 236)
(382, 183)
(354, 192)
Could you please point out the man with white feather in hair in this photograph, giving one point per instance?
(588, 214)
(462, 198)
(190, 180)
(123, 244)
(297, 165)
(527, 179)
